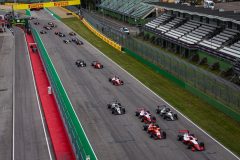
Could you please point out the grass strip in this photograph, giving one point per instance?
(217, 124)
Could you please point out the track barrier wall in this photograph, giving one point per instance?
(78, 138)
(103, 37)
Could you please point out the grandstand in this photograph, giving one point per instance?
(194, 30)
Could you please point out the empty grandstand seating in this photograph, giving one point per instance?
(158, 21)
(168, 26)
(199, 34)
(218, 40)
(233, 50)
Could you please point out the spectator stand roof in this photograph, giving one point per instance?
(200, 11)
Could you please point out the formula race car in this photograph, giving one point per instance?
(43, 32)
(66, 41)
(80, 63)
(60, 34)
(77, 41)
(116, 108)
(47, 27)
(190, 140)
(97, 65)
(72, 34)
(116, 81)
(51, 24)
(166, 113)
(154, 131)
(145, 116)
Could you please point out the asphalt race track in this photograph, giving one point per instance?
(117, 137)
(30, 142)
(6, 93)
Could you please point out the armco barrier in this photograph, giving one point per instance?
(103, 37)
(186, 86)
(79, 140)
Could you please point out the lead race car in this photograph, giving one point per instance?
(166, 113)
(116, 81)
(97, 65)
(191, 141)
(145, 116)
(154, 131)
(116, 108)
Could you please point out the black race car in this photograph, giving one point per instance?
(72, 34)
(166, 113)
(60, 34)
(66, 41)
(47, 27)
(43, 32)
(116, 108)
(80, 63)
(53, 25)
(77, 41)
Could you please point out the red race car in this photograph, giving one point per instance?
(145, 116)
(190, 140)
(97, 65)
(116, 81)
(154, 131)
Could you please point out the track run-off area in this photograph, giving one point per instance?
(117, 137)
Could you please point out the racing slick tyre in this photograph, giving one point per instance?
(142, 120)
(175, 116)
(123, 111)
(113, 112)
(110, 80)
(109, 106)
(145, 127)
(201, 144)
(189, 146)
(164, 117)
(164, 135)
(154, 119)
(137, 114)
(180, 138)
(151, 135)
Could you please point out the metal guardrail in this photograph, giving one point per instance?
(81, 145)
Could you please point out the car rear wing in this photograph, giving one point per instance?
(184, 131)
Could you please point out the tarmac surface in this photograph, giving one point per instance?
(117, 137)
(30, 142)
(6, 93)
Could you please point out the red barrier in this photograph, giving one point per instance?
(59, 138)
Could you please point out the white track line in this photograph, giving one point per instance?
(40, 111)
(13, 135)
(163, 100)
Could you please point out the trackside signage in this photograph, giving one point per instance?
(59, 4)
(35, 5)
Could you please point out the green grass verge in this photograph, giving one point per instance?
(216, 123)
